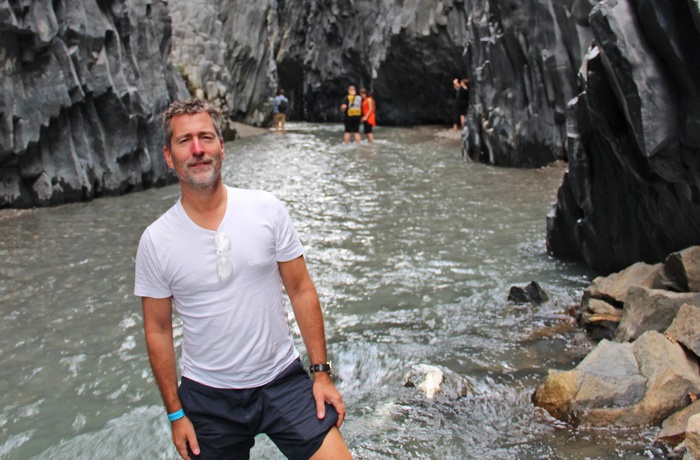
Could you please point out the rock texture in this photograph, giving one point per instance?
(83, 83)
(524, 58)
(406, 52)
(622, 384)
(632, 192)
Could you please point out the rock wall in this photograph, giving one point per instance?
(406, 51)
(632, 192)
(524, 57)
(82, 85)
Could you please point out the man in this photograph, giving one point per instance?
(352, 114)
(222, 256)
(279, 111)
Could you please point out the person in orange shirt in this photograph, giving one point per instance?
(368, 114)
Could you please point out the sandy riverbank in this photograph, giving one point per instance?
(248, 130)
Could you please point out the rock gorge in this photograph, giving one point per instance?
(83, 84)
(611, 87)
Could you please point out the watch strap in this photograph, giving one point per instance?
(323, 367)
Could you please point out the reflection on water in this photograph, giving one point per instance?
(412, 250)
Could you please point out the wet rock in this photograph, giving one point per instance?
(681, 270)
(633, 188)
(83, 83)
(532, 293)
(650, 310)
(622, 384)
(673, 428)
(685, 328)
(434, 380)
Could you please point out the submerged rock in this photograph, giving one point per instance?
(433, 380)
(532, 293)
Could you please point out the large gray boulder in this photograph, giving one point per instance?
(81, 88)
(681, 270)
(685, 328)
(622, 384)
(650, 310)
(632, 192)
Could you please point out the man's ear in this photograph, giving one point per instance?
(168, 157)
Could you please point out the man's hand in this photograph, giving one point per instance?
(326, 392)
(183, 434)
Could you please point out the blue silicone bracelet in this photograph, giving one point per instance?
(176, 415)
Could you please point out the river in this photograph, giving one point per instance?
(413, 251)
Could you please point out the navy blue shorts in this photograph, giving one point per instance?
(227, 421)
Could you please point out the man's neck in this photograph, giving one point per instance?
(206, 208)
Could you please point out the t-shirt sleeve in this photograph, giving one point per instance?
(287, 244)
(149, 280)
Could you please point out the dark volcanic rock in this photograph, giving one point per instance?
(524, 58)
(240, 52)
(83, 83)
(633, 188)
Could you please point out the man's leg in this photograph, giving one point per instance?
(357, 137)
(283, 120)
(346, 138)
(333, 447)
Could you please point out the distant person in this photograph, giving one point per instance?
(352, 114)
(368, 117)
(462, 101)
(280, 104)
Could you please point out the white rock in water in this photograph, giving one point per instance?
(426, 378)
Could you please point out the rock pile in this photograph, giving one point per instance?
(646, 370)
(81, 87)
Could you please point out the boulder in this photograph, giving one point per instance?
(685, 328)
(613, 288)
(532, 293)
(673, 428)
(650, 310)
(622, 384)
(681, 270)
(433, 380)
(692, 438)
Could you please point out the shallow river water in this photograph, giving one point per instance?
(413, 251)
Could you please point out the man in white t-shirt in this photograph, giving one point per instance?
(222, 256)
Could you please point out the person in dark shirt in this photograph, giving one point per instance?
(462, 102)
(352, 114)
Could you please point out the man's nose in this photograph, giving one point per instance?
(196, 146)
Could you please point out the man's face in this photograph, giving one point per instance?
(195, 152)
(352, 91)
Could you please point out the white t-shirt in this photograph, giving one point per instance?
(235, 331)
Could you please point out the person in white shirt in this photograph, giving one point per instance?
(222, 256)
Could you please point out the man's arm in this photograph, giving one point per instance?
(158, 326)
(307, 310)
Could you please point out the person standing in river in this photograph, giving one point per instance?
(461, 101)
(352, 114)
(368, 114)
(279, 111)
(222, 256)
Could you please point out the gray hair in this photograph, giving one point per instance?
(191, 106)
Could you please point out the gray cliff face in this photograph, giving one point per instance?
(524, 58)
(406, 51)
(83, 83)
(633, 188)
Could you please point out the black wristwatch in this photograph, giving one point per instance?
(325, 367)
